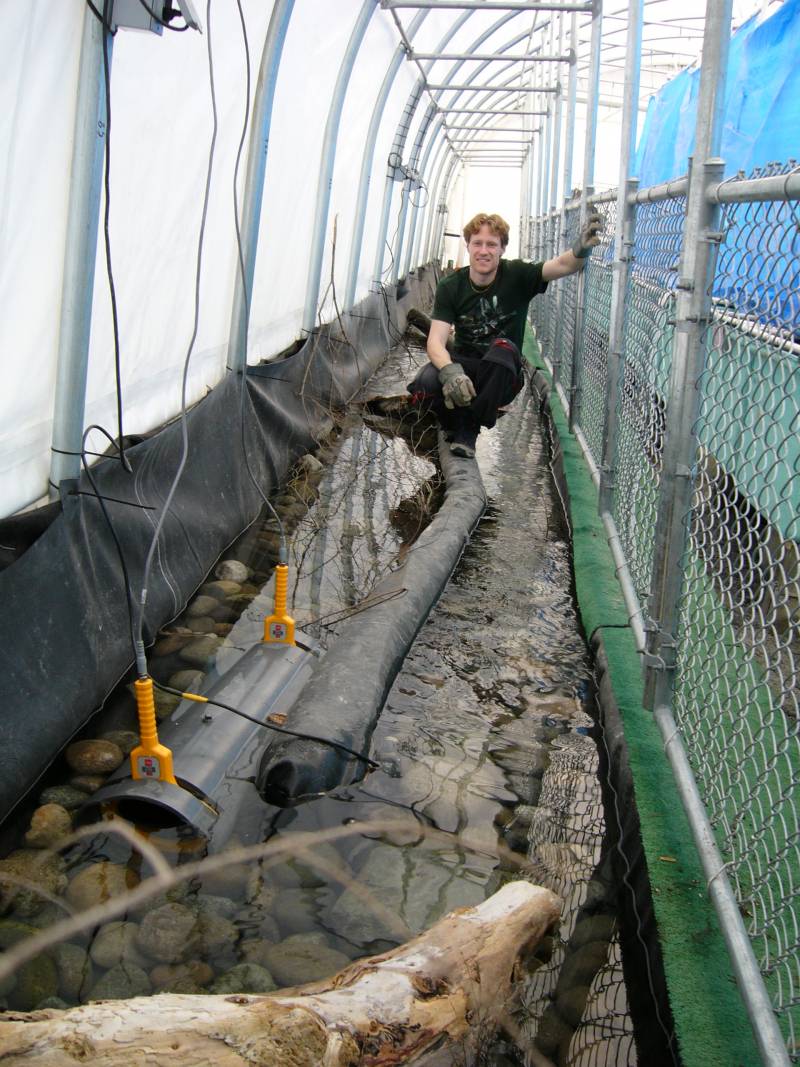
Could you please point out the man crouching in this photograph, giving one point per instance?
(487, 303)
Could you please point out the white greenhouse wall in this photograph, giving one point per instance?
(39, 52)
(161, 128)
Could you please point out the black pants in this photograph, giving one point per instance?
(497, 378)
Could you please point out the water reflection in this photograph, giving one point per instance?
(487, 766)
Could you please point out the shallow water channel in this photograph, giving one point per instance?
(488, 766)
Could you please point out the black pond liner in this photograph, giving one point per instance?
(64, 632)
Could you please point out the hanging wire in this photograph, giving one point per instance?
(107, 7)
(141, 661)
(269, 725)
(102, 502)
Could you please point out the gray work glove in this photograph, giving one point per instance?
(457, 389)
(589, 237)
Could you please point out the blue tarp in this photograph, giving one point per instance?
(762, 104)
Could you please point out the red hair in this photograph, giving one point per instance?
(498, 226)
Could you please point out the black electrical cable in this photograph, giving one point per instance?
(141, 662)
(394, 334)
(107, 5)
(389, 243)
(426, 201)
(112, 499)
(160, 21)
(270, 725)
(107, 517)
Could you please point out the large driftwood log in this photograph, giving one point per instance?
(388, 1009)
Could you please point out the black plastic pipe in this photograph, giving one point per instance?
(345, 697)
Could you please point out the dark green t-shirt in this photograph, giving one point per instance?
(499, 310)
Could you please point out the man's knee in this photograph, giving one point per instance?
(504, 353)
(426, 384)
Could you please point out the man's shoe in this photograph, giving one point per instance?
(463, 443)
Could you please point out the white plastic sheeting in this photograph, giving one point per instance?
(37, 105)
(161, 127)
(161, 136)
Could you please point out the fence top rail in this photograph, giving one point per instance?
(607, 197)
(778, 337)
(777, 187)
(675, 187)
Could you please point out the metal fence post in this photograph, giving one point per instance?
(431, 210)
(624, 241)
(592, 101)
(254, 181)
(556, 151)
(569, 138)
(572, 81)
(327, 160)
(555, 358)
(523, 195)
(367, 159)
(80, 253)
(693, 305)
(623, 244)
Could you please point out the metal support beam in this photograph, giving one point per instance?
(443, 149)
(491, 129)
(326, 164)
(593, 100)
(366, 162)
(586, 189)
(571, 93)
(488, 141)
(524, 185)
(531, 57)
(484, 5)
(80, 254)
(398, 146)
(433, 112)
(623, 246)
(439, 246)
(779, 187)
(542, 153)
(490, 89)
(417, 215)
(556, 150)
(692, 310)
(409, 184)
(254, 181)
(485, 111)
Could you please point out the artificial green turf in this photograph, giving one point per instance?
(710, 1020)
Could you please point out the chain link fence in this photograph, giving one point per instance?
(647, 358)
(737, 690)
(592, 377)
(565, 294)
(735, 695)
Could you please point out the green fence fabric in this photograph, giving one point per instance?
(709, 1017)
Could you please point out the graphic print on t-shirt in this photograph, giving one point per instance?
(486, 322)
